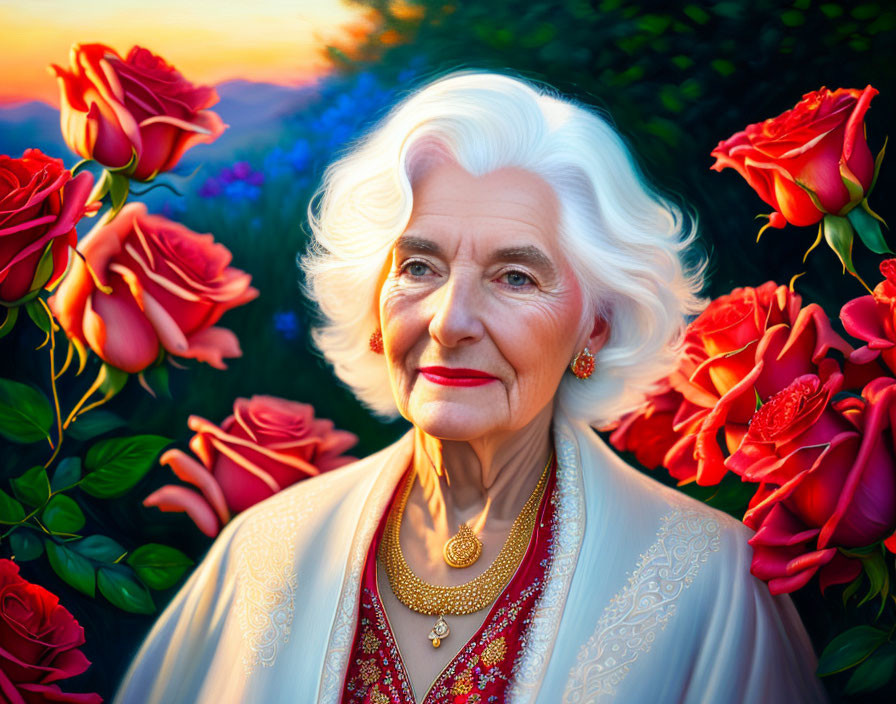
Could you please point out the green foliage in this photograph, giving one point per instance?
(25, 413)
(159, 566)
(849, 649)
(71, 567)
(67, 474)
(63, 515)
(99, 548)
(96, 422)
(117, 464)
(11, 511)
(26, 545)
(874, 672)
(122, 589)
(33, 487)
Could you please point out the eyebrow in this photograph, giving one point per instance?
(524, 254)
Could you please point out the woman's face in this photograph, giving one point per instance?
(480, 312)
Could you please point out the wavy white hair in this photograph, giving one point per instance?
(628, 246)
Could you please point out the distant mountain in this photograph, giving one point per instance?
(255, 113)
(33, 124)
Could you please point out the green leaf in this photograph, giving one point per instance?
(851, 589)
(37, 314)
(25, 413)
(155, 381)
(26, 545)
(63, 515)
(33, 487)
(838, 235)
(875, 672)
(159, 566)
(876, 569)
(114, 380)
(11, 511)
(93, 423)
(849, 649)
(869, 231)
(123, 590)
(67, 474)
(99, 548)
(117, 464)
(42, 272)
(9, 321)
(118, 190)
(72, 568)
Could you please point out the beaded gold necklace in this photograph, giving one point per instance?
(432, 599)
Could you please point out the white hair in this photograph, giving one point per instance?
(628, 246)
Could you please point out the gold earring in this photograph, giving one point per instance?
(376, 341)
(583, 364)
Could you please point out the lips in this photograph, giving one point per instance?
(456, 376)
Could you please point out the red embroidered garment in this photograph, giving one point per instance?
(480, 673)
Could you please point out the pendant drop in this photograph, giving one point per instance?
(462, 549)
(439, 631)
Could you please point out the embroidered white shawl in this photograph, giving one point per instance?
(649, 598)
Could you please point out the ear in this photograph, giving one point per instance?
(599, 334)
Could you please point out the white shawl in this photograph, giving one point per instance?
(649, 598)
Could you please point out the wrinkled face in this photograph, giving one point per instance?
(480, 311)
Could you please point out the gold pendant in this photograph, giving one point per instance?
(439, 631)
(463, 549)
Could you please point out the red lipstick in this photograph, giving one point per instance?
(456, 376)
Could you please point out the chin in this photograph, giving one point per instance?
(453, 420)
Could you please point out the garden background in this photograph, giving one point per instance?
(674, 79)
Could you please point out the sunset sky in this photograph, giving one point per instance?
(209, 41)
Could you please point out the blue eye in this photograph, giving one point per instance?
(415, 269)
(517, 279)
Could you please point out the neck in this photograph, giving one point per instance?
(487, 478)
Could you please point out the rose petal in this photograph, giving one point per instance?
(173, 498)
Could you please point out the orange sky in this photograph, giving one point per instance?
(207, 40)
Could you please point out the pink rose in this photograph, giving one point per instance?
(169, 284)
(873, 319)
(267, 444)
(40, 204)
(828, 478)
(137, 112)
(39, 643)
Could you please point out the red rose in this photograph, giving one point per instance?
(137, 112)
(39, 643)
(873, 319)
(266, 445)
(801, 161)
(169, 284)
(753, 341)
(40, 204)
(650, 432)
(828, 478)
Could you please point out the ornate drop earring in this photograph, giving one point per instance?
(376, 341)
(583, 364)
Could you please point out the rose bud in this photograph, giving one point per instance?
(805, 162)
(135, 113)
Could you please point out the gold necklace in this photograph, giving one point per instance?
(467, 598)
(463, 548)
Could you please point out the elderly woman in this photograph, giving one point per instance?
(489, 264)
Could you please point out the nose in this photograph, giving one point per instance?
(456, 315)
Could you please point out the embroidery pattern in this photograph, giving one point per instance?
(266, 576)
(631, 621)
(569, 527)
